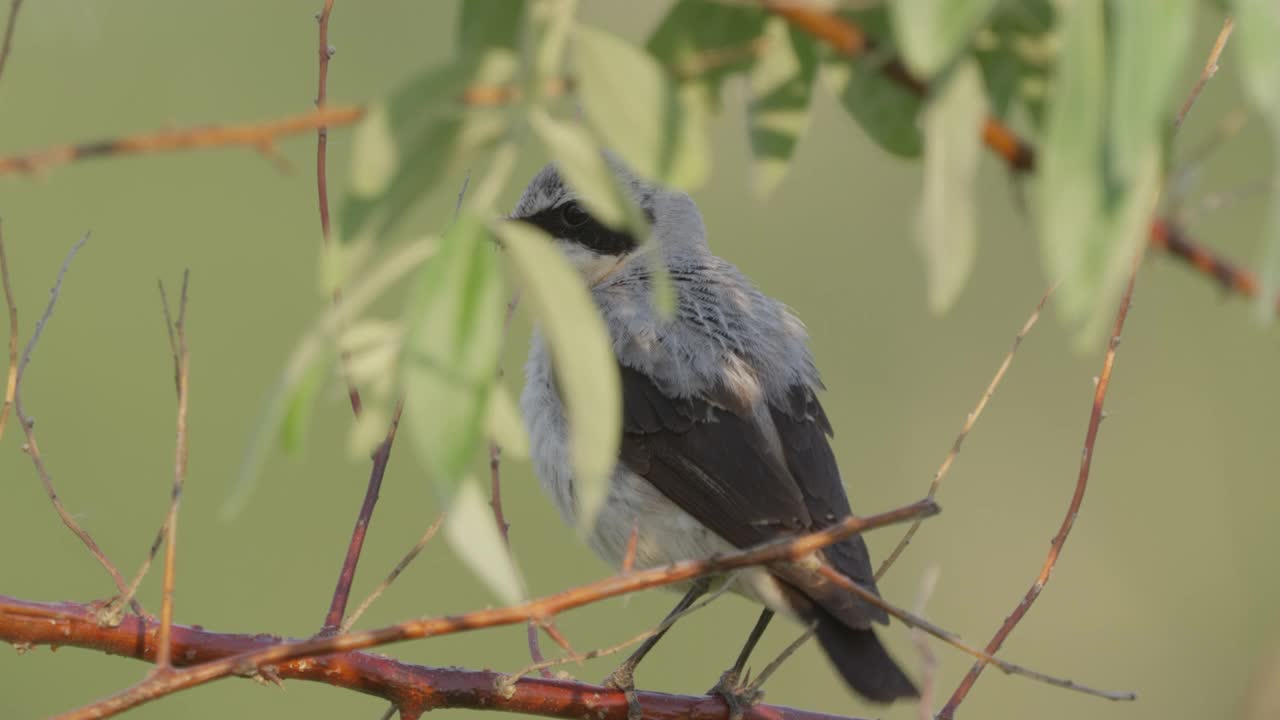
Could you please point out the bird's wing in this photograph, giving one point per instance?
(714, 462)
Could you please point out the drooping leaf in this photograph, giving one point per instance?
(488, 24)
(781, 86)
(947, 225)
(472, 532)
(454, 334)
(703, 42)
(297, 413)
(505, 425)
(931, 33)
(425, 132)
(585, 368)
(1071, 203)
(1257, 48)
(580, 161)
(1016, 50)
(627, 97)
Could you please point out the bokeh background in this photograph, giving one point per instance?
(1168, 586)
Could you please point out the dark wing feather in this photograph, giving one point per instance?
(710, 462)
(803, 429)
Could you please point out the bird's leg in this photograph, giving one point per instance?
(730, 685)
(742, 697)
(623, 677)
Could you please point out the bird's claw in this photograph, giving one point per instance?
(623, 678)
(738, 693)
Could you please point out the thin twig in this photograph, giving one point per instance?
(395, 573)
(969, 422)
(33, 449)
(341, 593)
(11, 384)
(928, 659)
(7, 47)
(182, 360)
(1073, 509)
(1210, 69)
(250, 663)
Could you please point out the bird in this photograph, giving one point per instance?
(724, 444)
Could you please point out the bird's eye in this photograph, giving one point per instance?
(573, 216)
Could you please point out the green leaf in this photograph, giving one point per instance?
(884, 109)
(422, 134)
(655, 128)
(931, 32)
(1017, 49)
(298, 406)
(781, 85)
(454, 326)
(703, 42)
(953, 144)
(472, 532)
(1071, 201)
(1257, 48)
(586, 371)
(582, 164)
(505, 426)
(488, 24)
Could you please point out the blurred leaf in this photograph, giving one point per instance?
(586, 371)
(703, 42)
(297, 412)
(931, 33)
(886, 111)
(368, 430)
(656, 129)
(582, 164)
(1017, 49)
(505, 426)
(781, 85)
(953, 144)
(486, 24)
(422, 134)
(454, 334)
(1257, 45)
(472, 532)
(316, 348)
(1071, 171)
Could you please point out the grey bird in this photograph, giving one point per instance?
(724, 446)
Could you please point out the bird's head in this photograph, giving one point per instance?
(592, 247)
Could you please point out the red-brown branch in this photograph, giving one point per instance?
(848, 39)
(342, 592)
(269, 659)
(410, 687)
(1096, 415)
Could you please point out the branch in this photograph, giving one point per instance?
(7, 47)
(27, 624)
(1210, 69)
(258, 136)
(181, 371)
(1096, 415)
(29, 430)
(11, 384)
(271, 657)
(847, 38)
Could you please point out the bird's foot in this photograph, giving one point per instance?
(738, 693)
(624, 678)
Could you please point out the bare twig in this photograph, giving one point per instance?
(928, 659)
(969, 422)
(395, 573)
(7, 46)
(11, 383)
(273, 656)
(410, 688)
(182, 357)
(1073, 509)
(33, 449)
(1210, 69)
(341, 593)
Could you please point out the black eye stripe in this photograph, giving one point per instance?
(568, 221)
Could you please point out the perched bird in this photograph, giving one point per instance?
(724, 445)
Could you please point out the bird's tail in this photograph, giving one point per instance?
(862, 661)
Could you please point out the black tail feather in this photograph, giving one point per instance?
(862, 661)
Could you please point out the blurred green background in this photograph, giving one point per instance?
(1167, 587)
